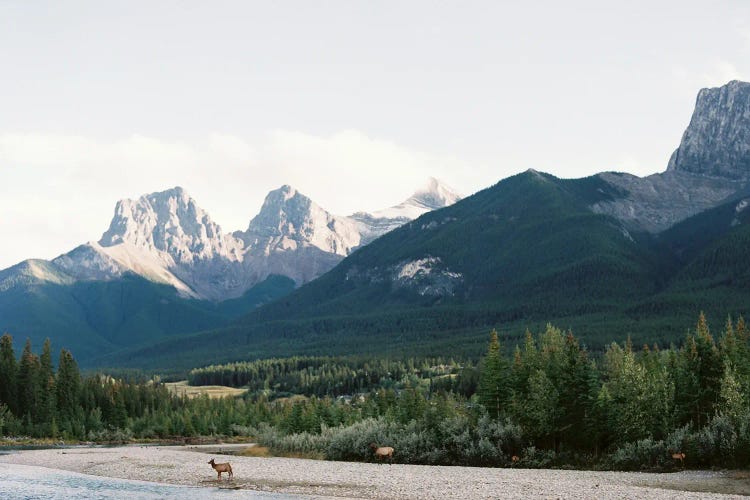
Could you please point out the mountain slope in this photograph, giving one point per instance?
(167, 238)
(528, 249)
(527, 235)
(38, 300)
(610, 255)
(162, 256)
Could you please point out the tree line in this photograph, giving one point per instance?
(550, 403)
(547, 402)
(330, 376)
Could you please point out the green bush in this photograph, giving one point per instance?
(353, 442)
(639, 455)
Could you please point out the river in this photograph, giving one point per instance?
(24, 482)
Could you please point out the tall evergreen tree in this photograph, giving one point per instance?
(8, 373)
(47, 395)
(67, 386)
(698, 376)
(27, 384)
(578, 387)
(493, 388)
(711, 370)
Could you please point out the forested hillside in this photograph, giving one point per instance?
(93, 317)
(511, 257)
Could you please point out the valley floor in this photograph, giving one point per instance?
(186, 465)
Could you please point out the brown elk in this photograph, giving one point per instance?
(219, 468)
(679, 456)
(514, 459)
(382, 452)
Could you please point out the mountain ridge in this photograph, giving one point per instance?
(596, 254)
(167, 238)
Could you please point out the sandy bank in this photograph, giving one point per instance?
(187, 466)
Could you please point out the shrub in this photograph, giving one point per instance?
(643, 454)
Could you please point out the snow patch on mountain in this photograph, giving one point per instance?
(738, 209)
(435, 194)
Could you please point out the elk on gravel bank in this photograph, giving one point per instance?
(382, 452)
(219, 468)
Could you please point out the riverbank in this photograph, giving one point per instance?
(24, 442)
(186, 465)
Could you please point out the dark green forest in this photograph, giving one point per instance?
(548, 402)
(329, 376)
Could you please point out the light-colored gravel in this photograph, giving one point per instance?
(187, 466)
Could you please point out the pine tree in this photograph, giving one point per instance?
(577, 387)
(542, 409)
(8, 374)
(698, 376)
(119, 412)
(67, 387)
(493, 379)
(27, 385)
(46, 384)
(732, 402)
(710, 371)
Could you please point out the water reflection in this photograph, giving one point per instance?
(28, 482)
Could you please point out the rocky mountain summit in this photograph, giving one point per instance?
(717, 141)
(167, 238)
(710, 166)
(431, 196)
(289, 220)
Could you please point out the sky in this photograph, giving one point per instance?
(353, 103)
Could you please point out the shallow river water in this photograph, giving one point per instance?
(28, 482)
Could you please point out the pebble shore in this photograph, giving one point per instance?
(187, 466)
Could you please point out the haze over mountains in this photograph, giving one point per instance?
(611, 255)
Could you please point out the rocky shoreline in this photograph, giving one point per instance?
(186, 465)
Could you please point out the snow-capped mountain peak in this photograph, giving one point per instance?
(433, 195)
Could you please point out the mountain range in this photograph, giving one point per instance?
(608, 255)
(164, 267)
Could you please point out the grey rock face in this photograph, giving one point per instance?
(717, 141)
(167, 238)
(170, 222)
(289, 220)
(427, 276)
(711, 165)
(659, 201)
(295, 237)
(85, 263)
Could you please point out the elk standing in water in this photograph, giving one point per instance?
(219, 468)
(382, 452)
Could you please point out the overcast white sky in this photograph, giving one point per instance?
(354, 103)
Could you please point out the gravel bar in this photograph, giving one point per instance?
(187, 466)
